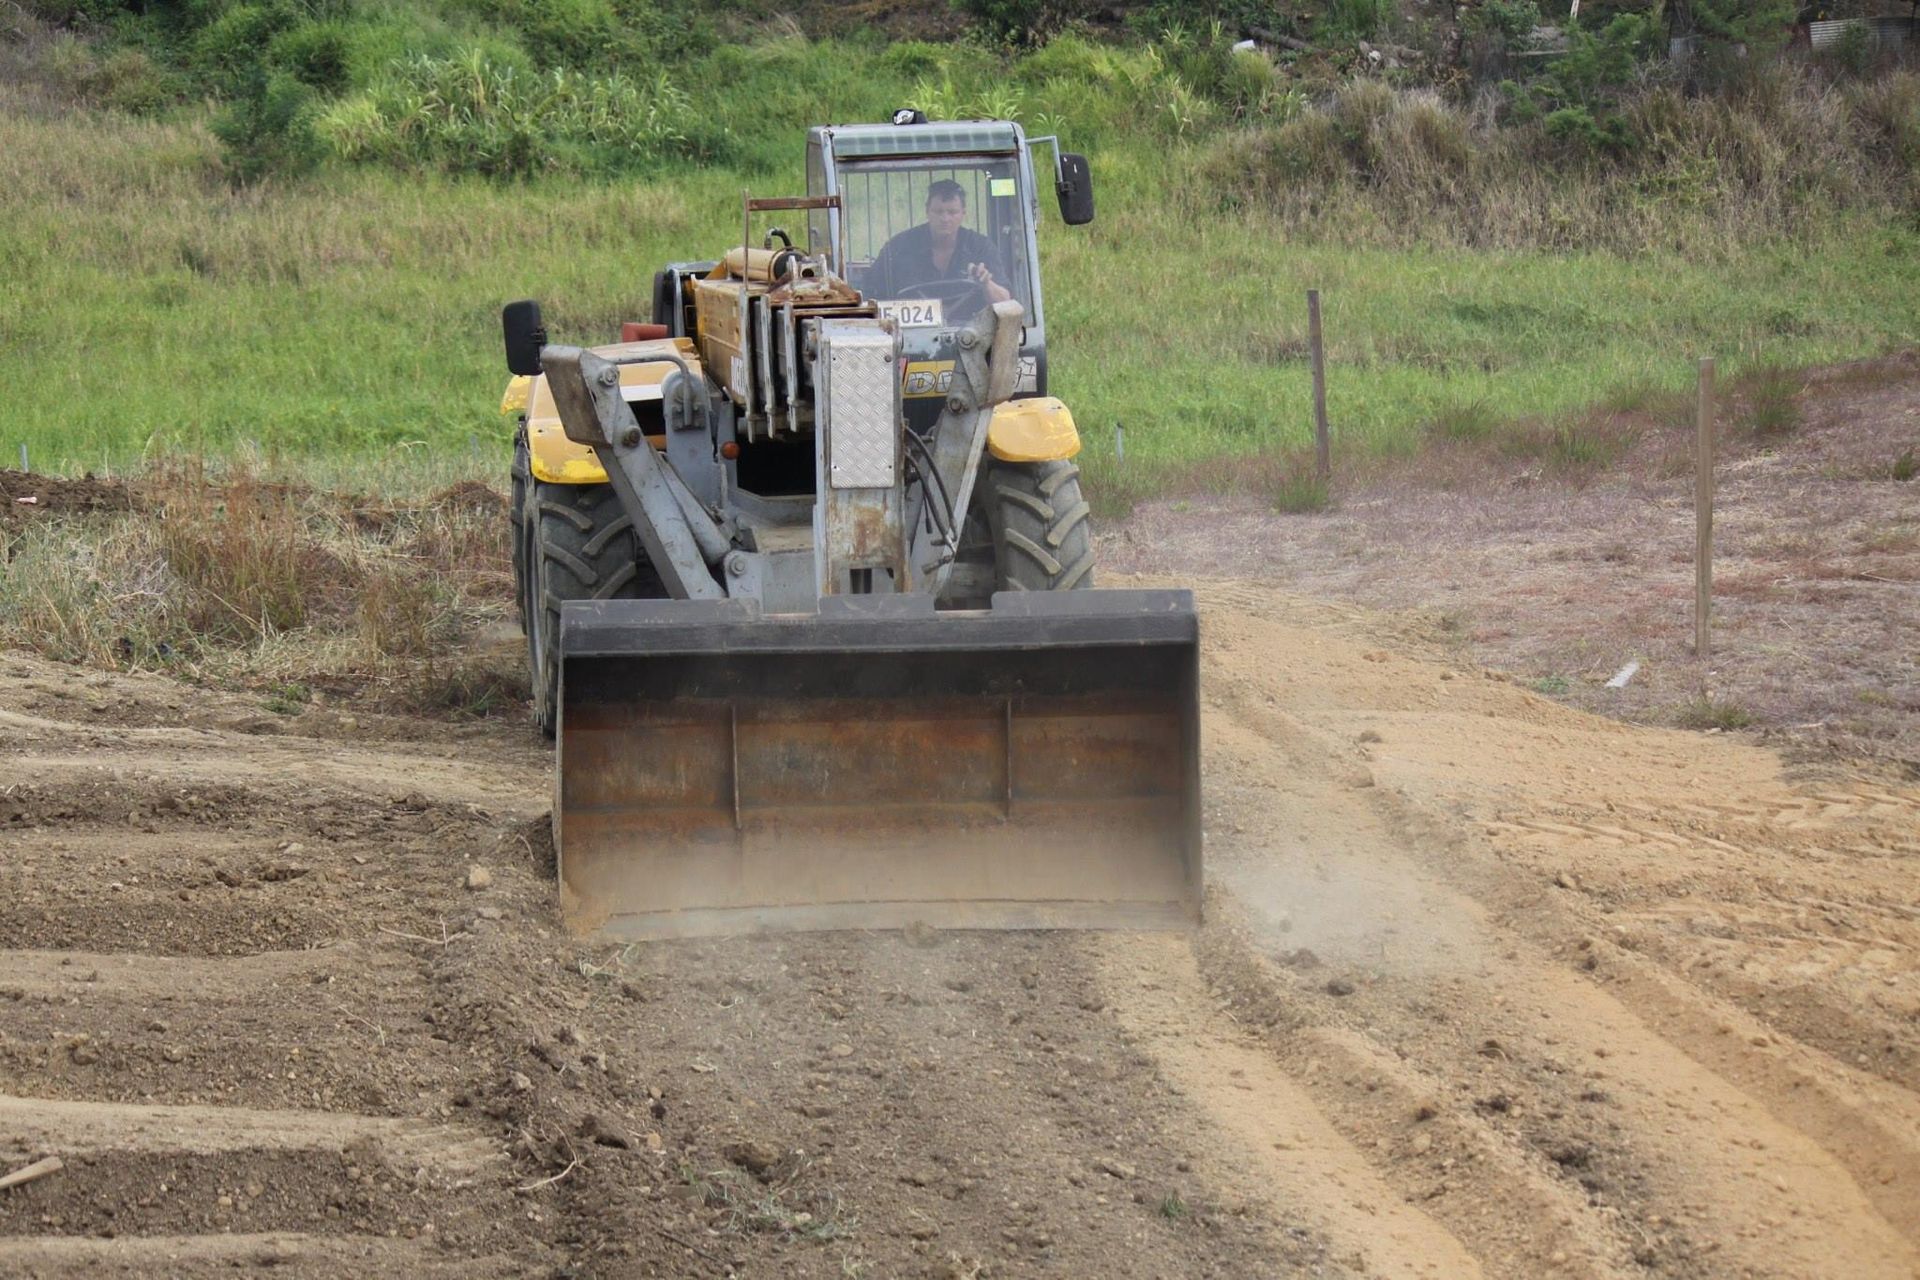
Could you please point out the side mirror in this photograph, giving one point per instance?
(1075, 189)
(525, 335)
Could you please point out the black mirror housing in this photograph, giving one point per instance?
(525, 335)
(1075, 189)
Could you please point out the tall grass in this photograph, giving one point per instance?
(352, 318)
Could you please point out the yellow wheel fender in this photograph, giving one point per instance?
(1036, 430)
(553, 458)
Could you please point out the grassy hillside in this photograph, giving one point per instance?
(1474, 269)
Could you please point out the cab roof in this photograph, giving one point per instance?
(947, 137)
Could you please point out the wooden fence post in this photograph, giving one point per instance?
(1703, 514)
(1322, 447)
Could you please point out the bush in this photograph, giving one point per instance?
(1505, 20)
(316, 54)
(470, 114)
(269, 128)
(231, 51)
(1022, 22)
(1348, 20)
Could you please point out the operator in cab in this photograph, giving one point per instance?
(940, 251)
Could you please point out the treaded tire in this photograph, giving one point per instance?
(521, 476)
(579, 546)
(1042, 529)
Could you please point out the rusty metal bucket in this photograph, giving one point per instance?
(1032, 765)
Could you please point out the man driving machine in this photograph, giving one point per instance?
(940, 258)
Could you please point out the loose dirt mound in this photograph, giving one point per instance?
(24, 494)
(1488, 986)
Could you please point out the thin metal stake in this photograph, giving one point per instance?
(1119, 443)
(1703, 514)
(1322, 450)
(24, 468)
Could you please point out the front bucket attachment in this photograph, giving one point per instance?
(1032, 765)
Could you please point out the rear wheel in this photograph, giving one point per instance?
(579, 546)
(1042, 529)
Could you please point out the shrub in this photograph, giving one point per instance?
(1773, 403)
(468, 113)
(1347, 20)
(1300, 490)
(1708, 712)
(316, 54)
(243, 553)
(269, 128)
(1021, 22)
(1506, 20)
(1462, 421)
(231, 50)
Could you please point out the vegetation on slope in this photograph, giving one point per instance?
(292, 237)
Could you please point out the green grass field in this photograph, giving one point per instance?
(348, 322)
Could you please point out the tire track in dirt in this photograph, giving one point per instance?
(244, 989)
(230, 1102)
(1347, 785)
(1274, 1142)
(284, 1255)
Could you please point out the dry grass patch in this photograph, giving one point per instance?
(225, 577)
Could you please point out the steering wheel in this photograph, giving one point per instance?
(951, 293)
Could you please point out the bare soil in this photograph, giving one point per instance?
(1488, 985)
(1564, 575)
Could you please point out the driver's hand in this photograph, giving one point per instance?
(978, 273)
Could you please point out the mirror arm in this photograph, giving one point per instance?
(1058, 173)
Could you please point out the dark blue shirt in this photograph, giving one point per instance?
(907, 260)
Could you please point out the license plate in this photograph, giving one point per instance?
(913, 313)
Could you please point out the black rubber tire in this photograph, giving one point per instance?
(579, 546)
(520, 475)
(1042, 529)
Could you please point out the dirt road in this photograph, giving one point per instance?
(1488, 987)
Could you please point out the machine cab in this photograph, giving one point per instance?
(902, 189)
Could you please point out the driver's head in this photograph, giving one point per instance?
(946, 208)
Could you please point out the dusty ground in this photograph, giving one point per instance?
(1565, 576)
(1488, 986)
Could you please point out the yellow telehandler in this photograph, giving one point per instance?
(806, 578)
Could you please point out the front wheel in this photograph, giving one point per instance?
(579, 546)
(1042, 528)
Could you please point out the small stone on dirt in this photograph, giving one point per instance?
(520, 1082)
(757, 1158)
(479, 878)
(841, 1050)
(1368, 735)
(601, 1131)
(1339, 987)
(1114, 1168)
(1422, 1143)
(174, 1053)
